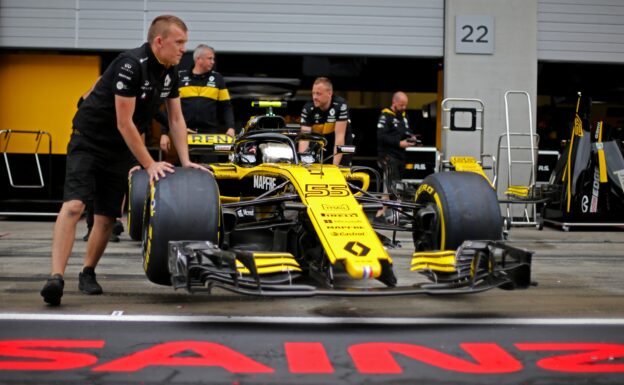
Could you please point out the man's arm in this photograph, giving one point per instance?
(306, 127)
(124, 107)
(339, 131)
(86, 94)
(163, 120)
(177, 129)
(303, 144)
(226, 111)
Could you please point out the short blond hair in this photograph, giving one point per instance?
(325, 81)
(161, 24)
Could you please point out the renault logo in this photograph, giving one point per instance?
(357, 249)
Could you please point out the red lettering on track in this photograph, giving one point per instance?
(593, 359)
(44, 354)
(377, 358)
(307, 357)
(208, 354)
(312, 358)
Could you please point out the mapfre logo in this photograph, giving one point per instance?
(264, 182)
(330, 207)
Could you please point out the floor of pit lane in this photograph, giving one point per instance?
(567, 329)
(86, 349)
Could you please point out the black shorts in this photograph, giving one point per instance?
(392, 171)
(97, 173)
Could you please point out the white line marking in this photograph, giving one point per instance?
(313, 320)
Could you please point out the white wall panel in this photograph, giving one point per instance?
(35, 23)
(568, 30)
(33, 16)
(47, 4)
(349, 27)
(581, 30)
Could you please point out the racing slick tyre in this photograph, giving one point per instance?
(459, 206)
(137, 197)
(183, 206)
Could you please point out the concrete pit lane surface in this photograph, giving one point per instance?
(567, 329)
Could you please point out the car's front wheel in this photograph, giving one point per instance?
(459, 206)
(184, 205)
(137, 196)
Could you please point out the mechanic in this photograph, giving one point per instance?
(117, 226)
(105, 137)
(205, 99)
(393, 137)
(328, 115)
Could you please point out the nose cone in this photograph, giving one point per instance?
(362, 268)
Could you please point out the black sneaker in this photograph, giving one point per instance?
(118, 228)
(113, 238)
(87, 283)
(53, 290)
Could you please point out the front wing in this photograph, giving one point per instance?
(477, 266)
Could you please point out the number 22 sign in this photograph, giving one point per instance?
(474, 34)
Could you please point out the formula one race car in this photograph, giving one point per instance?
(276, 222)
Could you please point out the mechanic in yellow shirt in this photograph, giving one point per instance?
(206, 103)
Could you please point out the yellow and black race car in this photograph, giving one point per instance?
(276, 222)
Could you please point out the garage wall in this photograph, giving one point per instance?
(32, 23)
(568, 30)
(510, 66)
(581, 30)
(352, 27)
(42, 103)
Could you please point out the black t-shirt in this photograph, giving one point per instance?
(324, 122)
(135, 73)
(391, 130)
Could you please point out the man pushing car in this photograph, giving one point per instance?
(106, 136)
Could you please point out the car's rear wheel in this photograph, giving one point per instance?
(183, 206)
(137, 198)
(459, 206)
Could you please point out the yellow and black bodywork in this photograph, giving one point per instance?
(323, 194)
(291, 227)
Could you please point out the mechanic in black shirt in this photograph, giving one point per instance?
(328, 115)
(105, 138)
(117, 226)
(393, 137)
(89, 214)
(205, 99)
